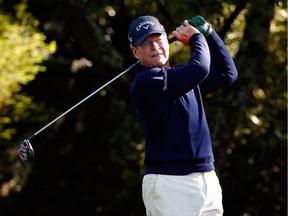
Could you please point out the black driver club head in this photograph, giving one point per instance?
(26, 152)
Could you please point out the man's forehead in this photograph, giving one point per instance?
(155, 36)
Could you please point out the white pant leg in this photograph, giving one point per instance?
(169, 195)
(213, 204)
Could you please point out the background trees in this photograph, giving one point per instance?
(90, 162)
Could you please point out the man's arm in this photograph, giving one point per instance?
(223, 71)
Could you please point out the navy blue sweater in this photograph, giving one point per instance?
(170, 109)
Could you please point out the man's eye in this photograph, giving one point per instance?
(148, 43)
(145, 44)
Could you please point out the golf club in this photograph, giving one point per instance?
(26, 152)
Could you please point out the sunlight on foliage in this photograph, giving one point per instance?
(234, 36)
(23, 49)
(265, 129)
(270, 103)
(279, 29)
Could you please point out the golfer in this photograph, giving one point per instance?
(179, 175)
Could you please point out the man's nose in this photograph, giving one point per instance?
(155, 44)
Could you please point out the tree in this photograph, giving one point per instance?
(247, 167)
(22, 51)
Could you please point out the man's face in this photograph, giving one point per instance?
(154, 51)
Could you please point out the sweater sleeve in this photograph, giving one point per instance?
(222, 69)
(183, 78)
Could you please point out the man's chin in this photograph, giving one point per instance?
(161, 63)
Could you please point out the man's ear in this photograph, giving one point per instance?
(135, 51)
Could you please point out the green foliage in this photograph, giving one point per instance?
(22, 51)
(254, 163)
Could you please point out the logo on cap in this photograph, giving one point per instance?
(144, 24)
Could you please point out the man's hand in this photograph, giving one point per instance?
(184, 32)
(201, 24)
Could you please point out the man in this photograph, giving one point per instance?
(179, 172)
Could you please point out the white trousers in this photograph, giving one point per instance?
(196, 194)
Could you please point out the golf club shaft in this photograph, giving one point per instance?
(171, 40)
(83, 100)
(90, 95)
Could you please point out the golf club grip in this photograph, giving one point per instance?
(171, 40)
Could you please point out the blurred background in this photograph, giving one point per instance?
(53, 53)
